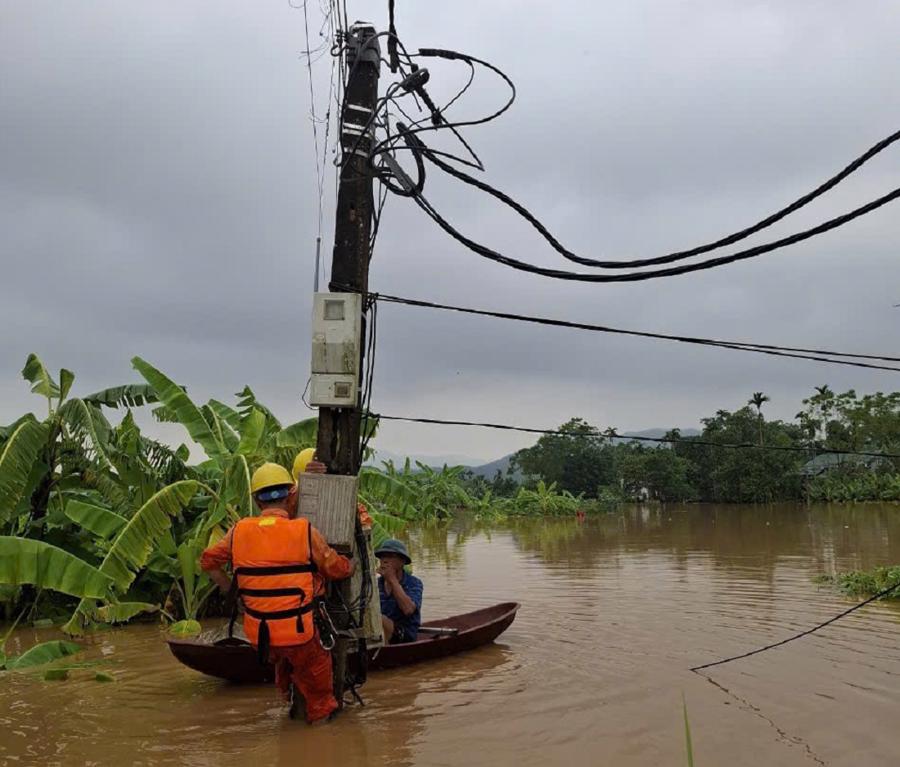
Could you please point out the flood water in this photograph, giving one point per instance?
(592, 672)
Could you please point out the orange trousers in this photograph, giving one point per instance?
(308, 666)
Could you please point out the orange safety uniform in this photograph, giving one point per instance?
(278, 562)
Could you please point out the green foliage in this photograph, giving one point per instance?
(657, 472)
(133, 545)
(176, 400)
(39, 377)
(27, 561)
(101, 522)
(122, 612)
(186, 628)
(43, 653)
(19, 453)
(129, 395)
(866, 583)
(744, 475)
(574, 460)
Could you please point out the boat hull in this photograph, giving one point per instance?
(236, 661)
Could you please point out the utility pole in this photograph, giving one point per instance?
(338, 439)
(339, 428)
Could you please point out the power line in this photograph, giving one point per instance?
(612, 434)
(671, 271)
(320, 174)
(814, 355)
(678, 255)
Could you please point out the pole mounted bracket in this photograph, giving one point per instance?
(362, 45)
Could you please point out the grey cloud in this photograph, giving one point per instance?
(157, 197)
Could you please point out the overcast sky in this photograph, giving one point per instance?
(158, 197)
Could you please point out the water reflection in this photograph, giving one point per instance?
(746, 540)
(614, 612)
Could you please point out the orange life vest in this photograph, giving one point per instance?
(274, 571)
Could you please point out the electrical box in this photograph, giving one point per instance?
(328, 502)
(337, 319)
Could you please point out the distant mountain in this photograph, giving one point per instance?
(489, 470)
(429, 460)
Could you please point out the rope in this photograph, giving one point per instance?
(879, 595)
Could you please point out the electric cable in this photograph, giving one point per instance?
(671, 271)
(612, 434)
(879, 595)
(796, 352)
(678, 255)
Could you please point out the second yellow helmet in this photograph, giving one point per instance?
(302, 461)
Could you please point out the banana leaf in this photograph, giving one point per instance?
(129, 395)
(134, 544)
(25, 560)
(236, 484)
(39, 377)
(66, 379)
(120, 612)
(223, 433)
(385, 526)
(226, 413)
(252, 428)
(176, 400)
(186, 628)
(88, 420)
(96, 519)
(299, 435)
(19, 453)
(46, 652)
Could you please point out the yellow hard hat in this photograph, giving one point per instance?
(302, 461)
(269, 475)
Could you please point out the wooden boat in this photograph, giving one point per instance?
(235, 660)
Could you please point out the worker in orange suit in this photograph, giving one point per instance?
(279, 562)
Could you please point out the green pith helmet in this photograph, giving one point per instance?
(393, 546)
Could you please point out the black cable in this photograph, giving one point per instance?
(671, 271)
(778, 351)
(386, 144)
(879, 595)
(678, 255)
(611, 434)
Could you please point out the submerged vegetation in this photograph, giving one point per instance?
(866, 583)
(99, 523)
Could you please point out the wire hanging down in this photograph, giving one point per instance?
(413, 85)
(612, 434)
(795, 352)
(879, 595)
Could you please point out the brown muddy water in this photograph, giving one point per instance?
(592, 672)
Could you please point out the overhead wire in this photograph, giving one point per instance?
(671, 271)
(797, 352)
(612, 434)
(391, 144)
(678, 255)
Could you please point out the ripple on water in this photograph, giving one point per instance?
(591, 672)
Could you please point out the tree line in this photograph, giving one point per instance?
(584, 461)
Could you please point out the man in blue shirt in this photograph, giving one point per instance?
(400, 593)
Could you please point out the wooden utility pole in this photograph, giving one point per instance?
(338, 439)
(339, 428)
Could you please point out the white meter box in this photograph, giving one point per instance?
(335, 349)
